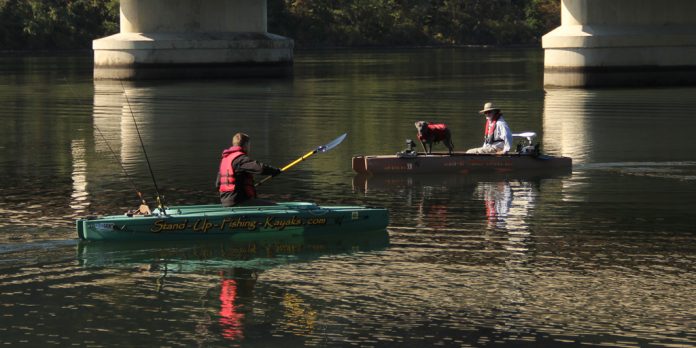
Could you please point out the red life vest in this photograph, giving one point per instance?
(227, 177)
(437, 131)
(489, 131)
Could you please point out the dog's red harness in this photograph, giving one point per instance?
(437, 130)
(227, 179)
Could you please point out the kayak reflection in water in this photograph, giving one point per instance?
(231, 310)
(230, 318)
(235, 180)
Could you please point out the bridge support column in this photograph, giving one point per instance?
(622, 43)
(192, 38)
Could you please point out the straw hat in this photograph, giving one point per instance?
(488, 107)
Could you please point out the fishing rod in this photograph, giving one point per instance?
(144, 209)
(160, 201)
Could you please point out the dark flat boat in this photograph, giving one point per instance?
(527, 159)
(460, 163)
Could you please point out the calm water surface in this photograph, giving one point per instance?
(603, 256)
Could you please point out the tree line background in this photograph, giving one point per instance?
(73, 24)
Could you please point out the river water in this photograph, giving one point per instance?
(603, 256)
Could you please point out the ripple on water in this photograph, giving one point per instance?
(604, 256)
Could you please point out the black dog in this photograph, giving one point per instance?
(429, 133)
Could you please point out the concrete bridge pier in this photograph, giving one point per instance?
(192, 38)
(622, 43)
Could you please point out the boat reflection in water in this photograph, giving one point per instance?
(237, 266)
(183, 256)
(507, 199)
(490, 214)
(367, 183)
(497, 197)
(451, 201)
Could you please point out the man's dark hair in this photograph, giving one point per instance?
(240, 139)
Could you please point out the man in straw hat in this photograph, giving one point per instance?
(497, 135)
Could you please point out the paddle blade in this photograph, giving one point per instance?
(332, 144)
(322, 148)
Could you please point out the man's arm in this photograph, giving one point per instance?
(506, 135)
(244, 164)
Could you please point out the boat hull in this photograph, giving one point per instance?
(459, 163)
(238, 223)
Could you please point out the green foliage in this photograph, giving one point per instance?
(55, 24)
(413, 22)
(543, 15)
(71, 24)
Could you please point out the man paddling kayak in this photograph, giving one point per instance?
(497, 135)
(235, 180)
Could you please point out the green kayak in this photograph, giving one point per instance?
(239, 223)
